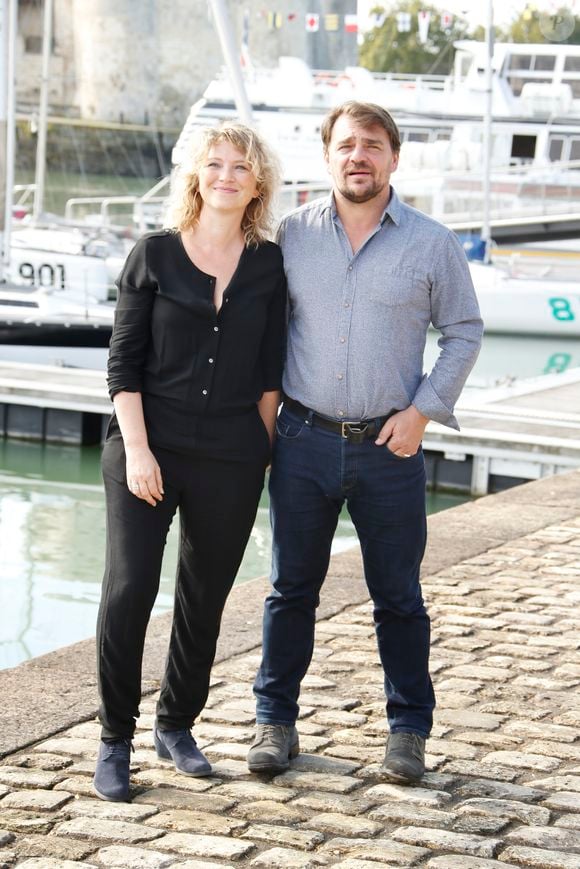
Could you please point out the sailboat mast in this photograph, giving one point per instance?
(232, 59)
(8, 24)
(487, 140)
(3, 87)
(40, 175)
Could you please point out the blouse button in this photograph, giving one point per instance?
(204, 391)
(216, 328)
(210, 360)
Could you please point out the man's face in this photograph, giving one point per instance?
(360, 160)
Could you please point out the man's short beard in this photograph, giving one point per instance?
(364, 196)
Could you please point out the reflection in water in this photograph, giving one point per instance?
(52, 533)
(508, 357)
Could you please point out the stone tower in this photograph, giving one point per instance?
(116, 49)
(147, 61)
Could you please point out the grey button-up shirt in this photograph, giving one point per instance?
(358, 322)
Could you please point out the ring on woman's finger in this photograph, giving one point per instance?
(406, 455)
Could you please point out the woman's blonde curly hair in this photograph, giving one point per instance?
(186, 203)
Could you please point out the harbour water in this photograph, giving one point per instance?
(52, 532)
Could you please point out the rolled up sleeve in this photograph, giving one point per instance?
(455, 314)
(132, 324)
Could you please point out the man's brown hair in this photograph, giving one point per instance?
(365, 114)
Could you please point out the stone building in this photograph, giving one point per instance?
(147, 61)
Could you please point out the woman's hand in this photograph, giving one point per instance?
(268, 410)
(144, 475)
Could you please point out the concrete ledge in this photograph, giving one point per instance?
(55, 691)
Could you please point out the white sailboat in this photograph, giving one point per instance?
(54, 285)
(537, 300)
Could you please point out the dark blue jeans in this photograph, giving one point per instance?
(314, 472)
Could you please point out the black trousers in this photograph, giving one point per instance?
(216, 489)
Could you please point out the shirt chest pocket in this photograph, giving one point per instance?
(400, 285)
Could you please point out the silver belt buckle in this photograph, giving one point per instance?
(353, 428)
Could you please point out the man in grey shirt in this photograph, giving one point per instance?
(366, 277)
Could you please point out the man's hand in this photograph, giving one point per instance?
(402, 433)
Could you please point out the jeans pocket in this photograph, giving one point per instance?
(289, 427)
(397, 458)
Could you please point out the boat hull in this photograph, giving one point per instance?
(525, 305)
(55, 334)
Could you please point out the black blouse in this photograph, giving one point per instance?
(170, 344)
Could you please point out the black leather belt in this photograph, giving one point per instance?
(355, 432)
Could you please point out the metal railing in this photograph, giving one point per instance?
(449, 195)
(25, 191)
(141, 216)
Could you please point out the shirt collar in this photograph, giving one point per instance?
(393, 209)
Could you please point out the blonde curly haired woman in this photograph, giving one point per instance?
(194, 373)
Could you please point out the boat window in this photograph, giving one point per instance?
(545, 62)
(572, 64)
(520, 61)
(442, 136)
(575, 85)
(523, 147)
(575, 149)
(417, 137)
(556, 147)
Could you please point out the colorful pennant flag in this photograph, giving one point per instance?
(331, 21)
(351, 23)
(446, 21)
(424, 17)
(312, 22)
(274, 20)
(403, 22)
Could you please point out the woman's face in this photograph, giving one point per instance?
(226, 180)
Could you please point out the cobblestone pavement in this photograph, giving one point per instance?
(503, 787)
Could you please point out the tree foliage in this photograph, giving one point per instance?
(537, 25)
(385, 49)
